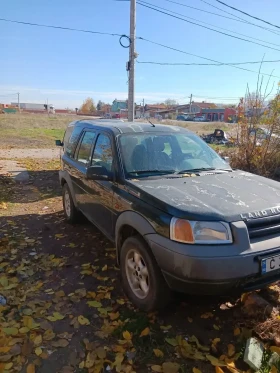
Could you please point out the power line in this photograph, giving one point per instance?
(208, 28)
(59, 27)
(203, 64)
(221, 28)
(250, 23)
(220, 15)
(205, 58)
(247, 14)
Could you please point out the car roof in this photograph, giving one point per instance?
(119, 127)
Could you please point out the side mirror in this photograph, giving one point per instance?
(98, 173)
(226, 159)
(58, 143)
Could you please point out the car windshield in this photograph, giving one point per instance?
(150, 154)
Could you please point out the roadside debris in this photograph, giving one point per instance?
(254, 353)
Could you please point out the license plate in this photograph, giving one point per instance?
(271, 264)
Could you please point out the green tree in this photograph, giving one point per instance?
(100, 105)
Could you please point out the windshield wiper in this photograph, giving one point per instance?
(193, 170)
(152, 172)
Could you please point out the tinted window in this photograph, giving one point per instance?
(85, 147)
(102, 155)
(71, 145)
(67, 134)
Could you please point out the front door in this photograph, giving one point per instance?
(99, 201)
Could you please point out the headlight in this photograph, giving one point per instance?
(200, 232)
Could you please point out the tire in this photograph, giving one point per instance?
(72, 214)
(153, 292)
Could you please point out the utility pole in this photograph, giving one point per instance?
(18, 102)
(131, 64)
(143, 107)
(191, 103)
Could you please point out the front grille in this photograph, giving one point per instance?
(263, 226)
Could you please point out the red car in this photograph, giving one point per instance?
(116, 116)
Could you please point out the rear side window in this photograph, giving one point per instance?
(84, 151)
(72, 143)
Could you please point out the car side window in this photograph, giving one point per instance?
(103, 155)
(71, 145)
(84, 151)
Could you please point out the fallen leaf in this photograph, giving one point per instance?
(8, 366)
(10, 331)
(199, 346)
(165, 328)
(127, 336)
(236, 332)
(4, 350)
(67, 369)
(190, 320)
(101, 353)
(195, 370)
(218, 370)
(4, 358)
(207, 315)
(158, 352)
(216, 327)
(24, 330)
(214, 361)
(275, 349)
(231, 350)
(170, 367)
(56, 316)
(30, 368)
(60, 343)
(156, 368)
(38, 351)
(171, 341)
(120, 301)
(104, 268)
(90, 360)
(38, 340)
(83, 320)
(114, 316)
(94, 303)
(145, 332)
(48, 335)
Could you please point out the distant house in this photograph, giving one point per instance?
(118, 105)
(153, 110)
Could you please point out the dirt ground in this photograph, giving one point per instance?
(66, 311)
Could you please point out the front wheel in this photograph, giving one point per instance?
(70, 211)
(142, 279)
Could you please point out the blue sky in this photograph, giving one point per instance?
(65, 67)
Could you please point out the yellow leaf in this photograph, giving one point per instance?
(91, 294)
(10, 331)
(60, 343)
(38, 351)
(195, 370)
(275, 349)
(145, 332)
(162, 327)
(216, 327)
(199, 346)
(214, 361)
(171, 341)
(83, 320)
(56, 316)
(236, 332)
(38, 340)
(30, 368)
(48, 335)
(8, 366)
(158, 352)
(170, 367)
(216, 340)
(207, 315)
(4, 350)
(105, 268)
(94, 303)
(156, 368)
(274, 369)
(101, 353)
(127, 336)
(219, 370)
(114, 316)
(231, 350)
(190, 320)
(24, 330)
(90, 360)
(120, 301)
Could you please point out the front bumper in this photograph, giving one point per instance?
(209, 269)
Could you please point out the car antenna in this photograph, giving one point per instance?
(151, 123)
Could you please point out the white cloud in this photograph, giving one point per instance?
(62, 98)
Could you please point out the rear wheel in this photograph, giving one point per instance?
(142, 279)
(70, 211)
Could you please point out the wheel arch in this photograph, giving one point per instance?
(64, 178)
(131, 223)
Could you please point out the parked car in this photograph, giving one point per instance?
(199, 119)
(116, 116)
(180, 217)
(184, 118)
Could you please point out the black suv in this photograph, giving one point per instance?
(180, 217)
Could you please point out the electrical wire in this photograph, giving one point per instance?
(247, 14)
(204, 58)
(202, 64)
(221, 15)
(208, 28)
(221, 28)
(60, 27)
(234, 15)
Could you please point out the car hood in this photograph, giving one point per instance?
(224, 196)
